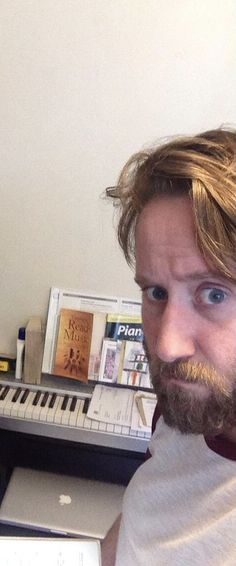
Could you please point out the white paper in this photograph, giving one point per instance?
(111, 405)
(148, 409)
(137, 423)
(143, 410)
(56, 552)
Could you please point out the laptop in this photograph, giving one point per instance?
(60, 504)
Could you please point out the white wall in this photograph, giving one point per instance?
(84, 83)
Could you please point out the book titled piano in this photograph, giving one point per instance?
(79, 342)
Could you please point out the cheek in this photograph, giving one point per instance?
(150, 327)
(219, 349)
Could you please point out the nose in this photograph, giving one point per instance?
(175, 335)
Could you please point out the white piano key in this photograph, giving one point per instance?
(87, 423)
(3, 401)
(24, 410)
(37, 409)
(59, 412)
(81, 416)
(7, 403)
(125, 430)
(102, 426)
(110, 427)
(52, 411)
(94, 425)
(66, 416)
(44, 410)
(117, 429)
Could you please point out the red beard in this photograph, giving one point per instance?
(206, 409)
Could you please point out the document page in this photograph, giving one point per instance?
(56, 552)
(111, 405)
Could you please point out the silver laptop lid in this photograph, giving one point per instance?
(60, 504)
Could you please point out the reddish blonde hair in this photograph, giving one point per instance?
(202, 167)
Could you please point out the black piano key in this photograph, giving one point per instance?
(52, 401)
(16, 394)
(4, 393)
(24, 396)
(44, 399)
(64, 402)
(73, 404)
(86, 406)
(36, 398)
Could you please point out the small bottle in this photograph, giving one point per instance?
(20, 346)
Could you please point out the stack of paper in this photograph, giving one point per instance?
(56, 552)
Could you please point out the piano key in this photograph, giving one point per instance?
(81, 416)
(15, 405)
(25, 409)
(45, 409)
(24, 396)
(59, 411)
(52, 401)
(37, 408)
(94, 425)
(44, 399)
(125, 430)
(52, 409)
(102, 426)
(65, 402)
(11, 399)
(73, 404)
(87, 423)
(7, 403)
(16, 394)
(4, 392)
(86, 405)
(66, 413)
(36, 398)
(74, 414)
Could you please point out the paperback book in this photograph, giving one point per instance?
(73, 344)
(123, 359)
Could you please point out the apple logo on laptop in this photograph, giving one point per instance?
(64, 499)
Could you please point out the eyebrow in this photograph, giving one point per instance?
(198, 275)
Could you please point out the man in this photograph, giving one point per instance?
(178, 220)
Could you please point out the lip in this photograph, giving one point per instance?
(189, 385)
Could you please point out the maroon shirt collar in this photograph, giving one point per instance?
(219, 444)
(222, 446)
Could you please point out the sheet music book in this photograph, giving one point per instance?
(19, 551)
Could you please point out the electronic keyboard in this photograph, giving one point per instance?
(59, 413)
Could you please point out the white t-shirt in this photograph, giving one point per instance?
(180, 507)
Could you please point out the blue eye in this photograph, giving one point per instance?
(157, 293)
(213, 296)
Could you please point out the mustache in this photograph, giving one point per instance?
(190, 372)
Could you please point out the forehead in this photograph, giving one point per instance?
(165, 233)
(167, 218)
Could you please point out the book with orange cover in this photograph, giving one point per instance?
(73, 344)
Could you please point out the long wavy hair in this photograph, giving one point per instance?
(202, 167)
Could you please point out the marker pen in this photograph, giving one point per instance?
(20, 346)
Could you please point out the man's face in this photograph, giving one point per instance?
(189, 318)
